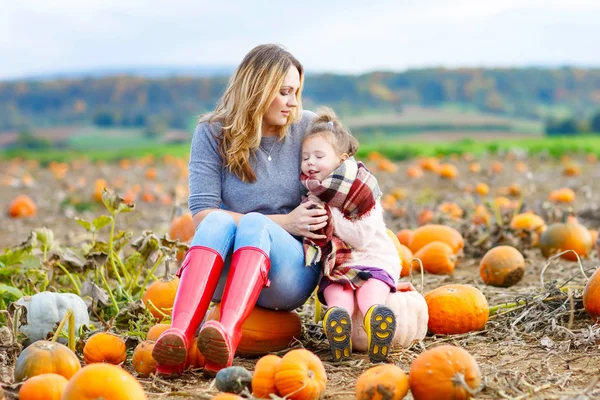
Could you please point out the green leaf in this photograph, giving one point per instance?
(9, 293)
(12, 257)
(102, 221)
(86, 224)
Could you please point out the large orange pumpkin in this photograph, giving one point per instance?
(44, 357)
(105, 347)
(103, 381)
(162, 295)
(591, 296)
(437, 258)
(143, 362)
(300, 376)
(22, 206)
(444, 372)
(455, 309)
(382, 382)
(258, 335)
(263, 378)
(44, 386)
(431, 232)
(559, 237)
(502, 266)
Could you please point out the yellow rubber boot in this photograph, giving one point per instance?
(337, 325)
(380, 324)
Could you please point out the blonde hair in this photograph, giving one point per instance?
(249, 93)
(330, 128)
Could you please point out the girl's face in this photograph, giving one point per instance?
(319, 158)
(279, 110)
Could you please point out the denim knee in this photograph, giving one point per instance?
(251, 231)
(216, 231)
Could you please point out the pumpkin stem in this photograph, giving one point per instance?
(422, 273)
(71, 342)
(459, 381)
(555, 257)
(67, 316)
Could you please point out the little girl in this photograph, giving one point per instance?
(360, 262)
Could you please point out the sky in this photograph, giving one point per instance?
(343, 36)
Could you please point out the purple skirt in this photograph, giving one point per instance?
(376, 273)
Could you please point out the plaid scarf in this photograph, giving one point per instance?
(354, 191)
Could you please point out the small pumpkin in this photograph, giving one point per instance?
(414, 172)
(21, 207)
(564, 195)
(437, 258)
(195, 359)
(258, 336)
(105, 347)
(409, 306)
(528, 224)
(162, 295)
(404, 236)
(226, 396)
(263, 378)
(559, 237)
(382, 382)
(182, 228)
(448, 171)
(103, 381)
(156, 330)
(455, 309)
(300, 376)
(233, 379)
(482, 189)
(591, 296)
(502, 266)
(431, 232)
(143, 362)
(444, 372)
(44, 357)
(594, 235)
(44, 386)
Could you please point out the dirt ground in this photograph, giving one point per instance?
(543, 350)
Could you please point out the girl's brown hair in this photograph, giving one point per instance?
(328, 126)
(248, 95)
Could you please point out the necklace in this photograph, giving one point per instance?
(269, 153)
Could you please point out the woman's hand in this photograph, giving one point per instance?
(304, 220)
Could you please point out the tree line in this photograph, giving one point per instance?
(535, 93)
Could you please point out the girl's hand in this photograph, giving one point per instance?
(305, 220)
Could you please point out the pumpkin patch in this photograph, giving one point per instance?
(484, 231)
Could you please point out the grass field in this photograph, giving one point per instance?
(395, 148)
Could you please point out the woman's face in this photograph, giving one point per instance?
(279, 110)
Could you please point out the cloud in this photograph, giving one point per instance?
(332, 35)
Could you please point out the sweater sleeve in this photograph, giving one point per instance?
(360, 233)
(205, 171)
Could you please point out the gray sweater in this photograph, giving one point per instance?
(277, 189)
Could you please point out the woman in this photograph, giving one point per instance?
(245, 200)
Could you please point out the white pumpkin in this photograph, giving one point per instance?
(412, 316)
(46, 309)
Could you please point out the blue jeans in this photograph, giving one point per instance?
(292, 283)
